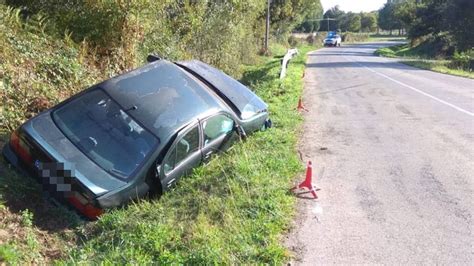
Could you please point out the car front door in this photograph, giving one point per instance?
(183, 155)
(217, 134)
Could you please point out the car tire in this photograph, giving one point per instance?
(266, 125)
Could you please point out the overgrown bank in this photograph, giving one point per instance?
(232, 210)
(428, 56)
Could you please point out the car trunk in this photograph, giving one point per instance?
(45, 153)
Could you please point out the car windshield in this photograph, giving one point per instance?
(103, 131)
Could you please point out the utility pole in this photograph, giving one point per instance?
(267, 28)
(327, 19)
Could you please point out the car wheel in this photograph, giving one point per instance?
(266, 125)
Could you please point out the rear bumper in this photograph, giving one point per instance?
(56, 197)
(11, 157)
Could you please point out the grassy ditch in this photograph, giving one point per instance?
(232, 210)
(416, 56)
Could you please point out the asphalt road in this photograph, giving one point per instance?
(397, 175)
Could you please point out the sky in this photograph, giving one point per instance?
(354, 5)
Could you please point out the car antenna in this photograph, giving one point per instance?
(153, 57)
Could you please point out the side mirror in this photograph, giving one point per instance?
(152, 58)
(158, 171)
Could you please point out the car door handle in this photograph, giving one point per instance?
(170, 183)
(207, 155)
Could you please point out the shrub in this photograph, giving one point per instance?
(293, 41)
(463, 60)
(36, 71)
(354, 37)
(124, 32)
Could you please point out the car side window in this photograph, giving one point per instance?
(216, 126)
(186, 145)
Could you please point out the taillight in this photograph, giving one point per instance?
(85, 206)
(20, 147)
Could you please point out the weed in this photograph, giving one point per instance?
(9, 254)
(26, 218)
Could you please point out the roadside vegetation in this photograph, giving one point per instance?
(423, 57)
(439, 33)
(232, 210)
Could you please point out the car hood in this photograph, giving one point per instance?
(45, 132)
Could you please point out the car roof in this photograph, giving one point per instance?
(162, 96)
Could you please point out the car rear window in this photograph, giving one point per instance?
(105, 132)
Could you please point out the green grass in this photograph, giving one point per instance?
(421, 58)
(441, 66)
(402, 50)
(385, 38)
(233, 210)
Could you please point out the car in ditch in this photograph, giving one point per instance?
(135, 134)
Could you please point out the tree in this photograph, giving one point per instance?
(351, 22)
(460, 21)
(287, 14)
(448, 19)
(368, 22)
(387, 19)
(334, 25)
(405, 13)
(312, 20)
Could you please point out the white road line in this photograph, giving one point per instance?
(414, 89)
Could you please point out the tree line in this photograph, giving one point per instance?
(449, 23)
(223, 33)
(339, 20)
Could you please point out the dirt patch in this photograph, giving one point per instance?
(32, 244)
(38, 231)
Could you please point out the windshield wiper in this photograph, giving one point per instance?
(118, 172)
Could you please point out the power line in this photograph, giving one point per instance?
(328, 19)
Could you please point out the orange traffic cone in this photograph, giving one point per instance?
(308, 182)
(301, 106)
